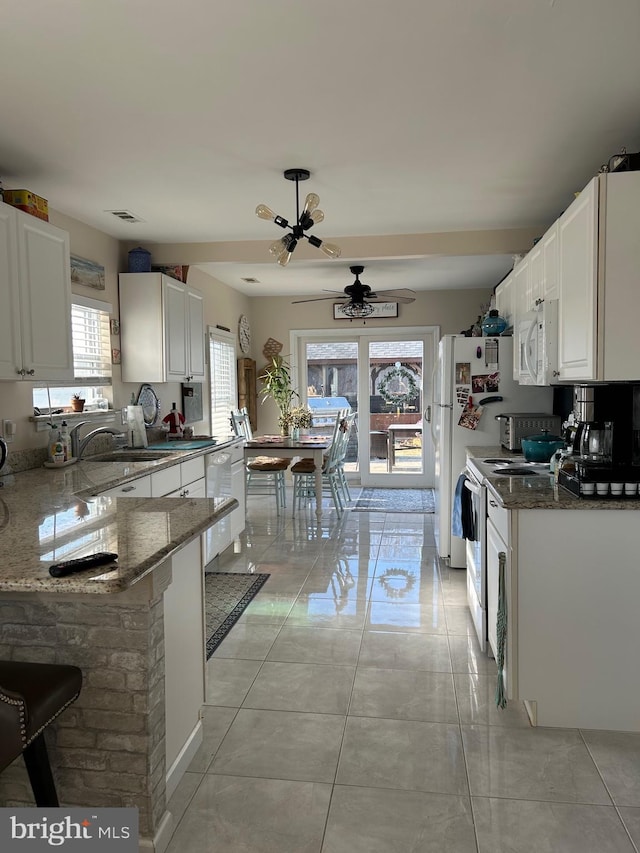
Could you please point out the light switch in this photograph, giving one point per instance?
(9, 430)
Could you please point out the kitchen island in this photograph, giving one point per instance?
(572, 584)
(135, 628)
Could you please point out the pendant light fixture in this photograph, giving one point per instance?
(283, 249)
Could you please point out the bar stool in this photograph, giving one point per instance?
(32, 695)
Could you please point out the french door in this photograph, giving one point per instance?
(384, 375)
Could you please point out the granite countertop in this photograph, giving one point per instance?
(539, 492)
(51, 514)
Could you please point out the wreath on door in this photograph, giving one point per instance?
(406, 387)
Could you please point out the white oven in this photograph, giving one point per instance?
(477, 557)
(538, 345)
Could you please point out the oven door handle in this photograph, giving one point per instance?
(473, 487)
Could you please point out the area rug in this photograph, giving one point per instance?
(395, 500)
(226, 596)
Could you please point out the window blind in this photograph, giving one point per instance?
(222, 374)
(91, 341)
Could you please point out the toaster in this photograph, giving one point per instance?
(514, 427)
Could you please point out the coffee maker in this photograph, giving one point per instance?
(606, 441)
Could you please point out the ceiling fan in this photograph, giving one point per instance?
(359, 296)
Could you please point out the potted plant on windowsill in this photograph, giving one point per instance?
(77, 403)
(276, 380)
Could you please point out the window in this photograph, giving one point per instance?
(222, 380)
(91, 357)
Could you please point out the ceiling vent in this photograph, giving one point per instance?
(251, 280)
(125, 215)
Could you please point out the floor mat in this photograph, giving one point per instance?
(395, 500)
(226, 596)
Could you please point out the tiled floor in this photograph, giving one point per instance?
(351, 711)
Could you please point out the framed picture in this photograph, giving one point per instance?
(380, 309)
(114, 324)
(87, 273)
(115, 356)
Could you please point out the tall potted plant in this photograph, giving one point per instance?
(276, 379)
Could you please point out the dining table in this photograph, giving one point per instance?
(306, 446)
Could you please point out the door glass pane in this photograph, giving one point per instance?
(332, 385)
(395, 406)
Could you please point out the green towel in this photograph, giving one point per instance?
(501, 629)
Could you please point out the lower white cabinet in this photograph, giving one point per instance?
(499, 541)
(140, 488)
(184, 653)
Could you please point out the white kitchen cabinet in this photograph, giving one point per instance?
(499, 541)
(161, 329)
(542, 281)
(35, 290)
(577, 235)
(139, 488)
(599, 281)
(504, 299)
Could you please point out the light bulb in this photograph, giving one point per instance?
(284, 257)
(276, 247)
(317, 217)
(310, 203)
(331, 250)
(265, 212)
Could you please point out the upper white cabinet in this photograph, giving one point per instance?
(578, 232)
(35, 289)
(599, 275)
(161, 329)
(504, 299)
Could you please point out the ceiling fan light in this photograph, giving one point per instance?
(357, 310)
(330, 250)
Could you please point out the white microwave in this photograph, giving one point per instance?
(538, 345)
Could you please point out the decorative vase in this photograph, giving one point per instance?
(295, 433)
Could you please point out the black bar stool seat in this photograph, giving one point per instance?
(32, 695)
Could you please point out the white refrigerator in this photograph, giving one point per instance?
(480, 369)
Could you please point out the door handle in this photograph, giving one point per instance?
(427, 415)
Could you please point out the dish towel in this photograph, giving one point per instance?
(462, 520)
(456, 514)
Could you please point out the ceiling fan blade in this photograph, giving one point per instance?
(396, 294)
(403, 300)
(318, 299)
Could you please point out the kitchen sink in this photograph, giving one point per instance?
(129, 456)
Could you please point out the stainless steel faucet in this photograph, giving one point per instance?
(78, 445)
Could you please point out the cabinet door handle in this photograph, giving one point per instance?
(556, 373)
(493, 503)
(128, 489)
(30, 372)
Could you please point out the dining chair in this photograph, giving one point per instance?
(264, 474)
(333, 478)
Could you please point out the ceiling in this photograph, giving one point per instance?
(427, 116)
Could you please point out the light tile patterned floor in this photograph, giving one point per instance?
(351, 711)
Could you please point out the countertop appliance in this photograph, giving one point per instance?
(481, 368)
(514, 426)
(538, 345)
(3, 452)
(606, 442)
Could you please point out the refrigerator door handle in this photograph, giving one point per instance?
(445, 405)
(427, 414)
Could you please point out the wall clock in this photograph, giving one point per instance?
(244, 334)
